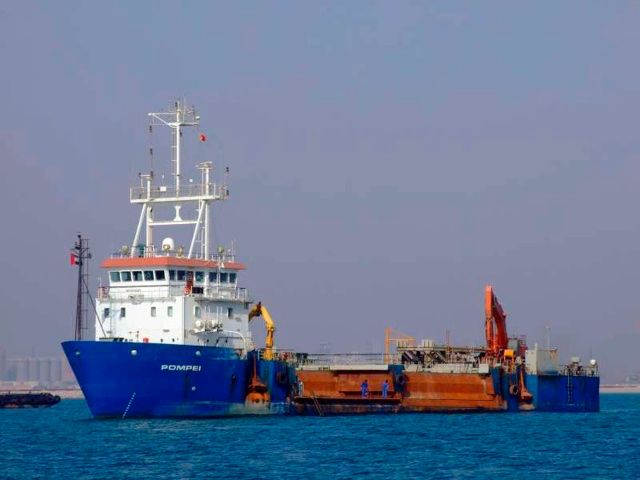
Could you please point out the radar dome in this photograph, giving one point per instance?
(168, 244)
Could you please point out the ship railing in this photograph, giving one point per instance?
(222, 293)
(329, 359)
(282, 355)
(150, 251)
(445, 367)
(210, 190)
(157, 293)
(580, 370)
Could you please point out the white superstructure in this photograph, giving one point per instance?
(170, 293)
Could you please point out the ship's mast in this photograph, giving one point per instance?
(80, 256)
(181, 115)
(178, 116)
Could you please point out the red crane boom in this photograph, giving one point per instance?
(495, 324)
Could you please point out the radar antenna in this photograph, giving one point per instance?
(199, 196)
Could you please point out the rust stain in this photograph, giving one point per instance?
(340, 392)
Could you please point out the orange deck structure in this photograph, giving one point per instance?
(335, 392)
(323, 392)
(426, 391)
(428, 377)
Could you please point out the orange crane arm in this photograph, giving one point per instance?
(495, 323)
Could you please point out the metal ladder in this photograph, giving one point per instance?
(570, 389)
(316, 403)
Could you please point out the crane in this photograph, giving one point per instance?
(391, 335)
(495, 323)
(260, 310)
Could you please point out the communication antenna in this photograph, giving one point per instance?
(151, 146)
(548, 329)
(179, 116)
(80, 256)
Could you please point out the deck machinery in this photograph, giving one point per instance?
(505, 375)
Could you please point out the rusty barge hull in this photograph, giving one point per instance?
(447, 392)
(326, 392)
(336, 392)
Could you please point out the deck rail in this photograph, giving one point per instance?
(157, 192)
(157, 293)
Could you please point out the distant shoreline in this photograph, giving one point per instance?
(619, 388)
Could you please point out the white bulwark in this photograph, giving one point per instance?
(171, 293)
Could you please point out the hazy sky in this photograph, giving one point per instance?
(387, 160)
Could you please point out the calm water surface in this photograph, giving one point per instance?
(64, 442)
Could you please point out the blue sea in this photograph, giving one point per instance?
(65, 442)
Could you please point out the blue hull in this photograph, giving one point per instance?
(564, 393)
(553, 393)
(123, 380)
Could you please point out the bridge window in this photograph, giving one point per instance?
(213, 277)
(115, 276)
(224, 277)
(172, 274)
(169, 311)
(123, 312)
(148, 275)
(126, 276)
(229, 312)
(159, 274)
(153, 311)
(181, 275)
(199, 276)
(105, 312)
(196, 311)
(232, 277)
(137, 276)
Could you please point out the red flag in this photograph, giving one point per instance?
(203, 137)
(73, 259)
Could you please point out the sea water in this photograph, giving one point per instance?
(65, 442)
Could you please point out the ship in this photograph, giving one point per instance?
(410, 377)
(172, 335)
(28, 399)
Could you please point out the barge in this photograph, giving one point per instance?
(28, 399)
(505, 375)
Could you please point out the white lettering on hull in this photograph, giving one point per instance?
(181, 368)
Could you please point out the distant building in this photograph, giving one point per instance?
(68, 376)
(44, 371)
(40, 372)
(3, 365)
(22, 369)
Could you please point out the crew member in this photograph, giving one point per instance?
(364, 387)
(385, 388)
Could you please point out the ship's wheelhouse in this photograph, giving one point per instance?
(174, 300)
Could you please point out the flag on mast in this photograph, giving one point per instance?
(74, 259)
